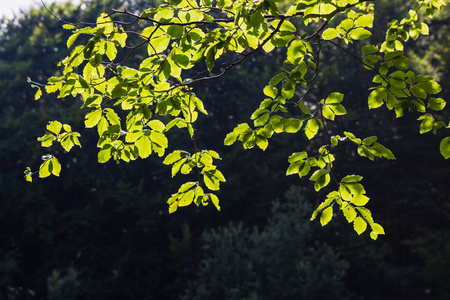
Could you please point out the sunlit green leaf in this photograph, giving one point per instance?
(445, 147)
(359, 225)
(326, 216)
(360, 34)
(330, 34)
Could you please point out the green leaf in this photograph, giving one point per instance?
(445, 147)
(326, 216)
(175, 31)
(321, 178)
(270, 91)
(349, 213)
(105, 153)
(92, 118)
(364, 21)
(112, 117)
(156, 125)
(261, 116)
(328, 113)
(187, 198)
(44, 169)
(262, 142)
(174, 156)
(111, 50)
(215, 201)
(68, 26)
(38, 94)
(436, 103)
(360, 200)
(159, 138)
(369, 49)
(144, 146)
(72, 39)
(360, 225)
(54, 127)
(186, 186)
(377, 228)
(311, 129)
(334, 98)
(427, 123)
(418, 92)
(230, 138)
(292, 125)
(277, 78)
(55, 166)
(177, 166)
(369, 140)
(431, 87)
(211, 182)
(365, 213)
(330, 34)
(47, 139)
(376, 98)
(373, 235)
(210, 59)
(423, 28)
(351, 178)
(359, 34)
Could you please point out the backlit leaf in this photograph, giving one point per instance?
(445, 147)
(359, 225)
(326, 216)
(360, 33)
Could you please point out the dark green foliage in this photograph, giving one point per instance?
(283, 260)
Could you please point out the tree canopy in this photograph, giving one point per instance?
(136, 103)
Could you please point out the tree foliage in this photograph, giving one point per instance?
(134, 108)
(249, 263)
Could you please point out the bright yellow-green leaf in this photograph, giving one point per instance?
(326, 216)
(328, 112)
(159, 138)
(312, 126)
(38, 94)
(360, 200)
(112, 117)
(92, 118)
(292, 125)
(55, 166)
(377, 97)
(158, 45)
(377, 228)
(445, 147)
(351, 178)
(330, 34)
(173, 207)
(270, 91)
(436, 103)
(261, 142)
(144, 146)
(349, 213)
(44, 169)
(54, 127)
(359, 34)
(431, 87)
(364, 21)
(359, 225)
(211, 182)
(104, 154)
(187, 198)
(215, 201)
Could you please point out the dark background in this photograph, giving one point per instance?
(102, 231)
